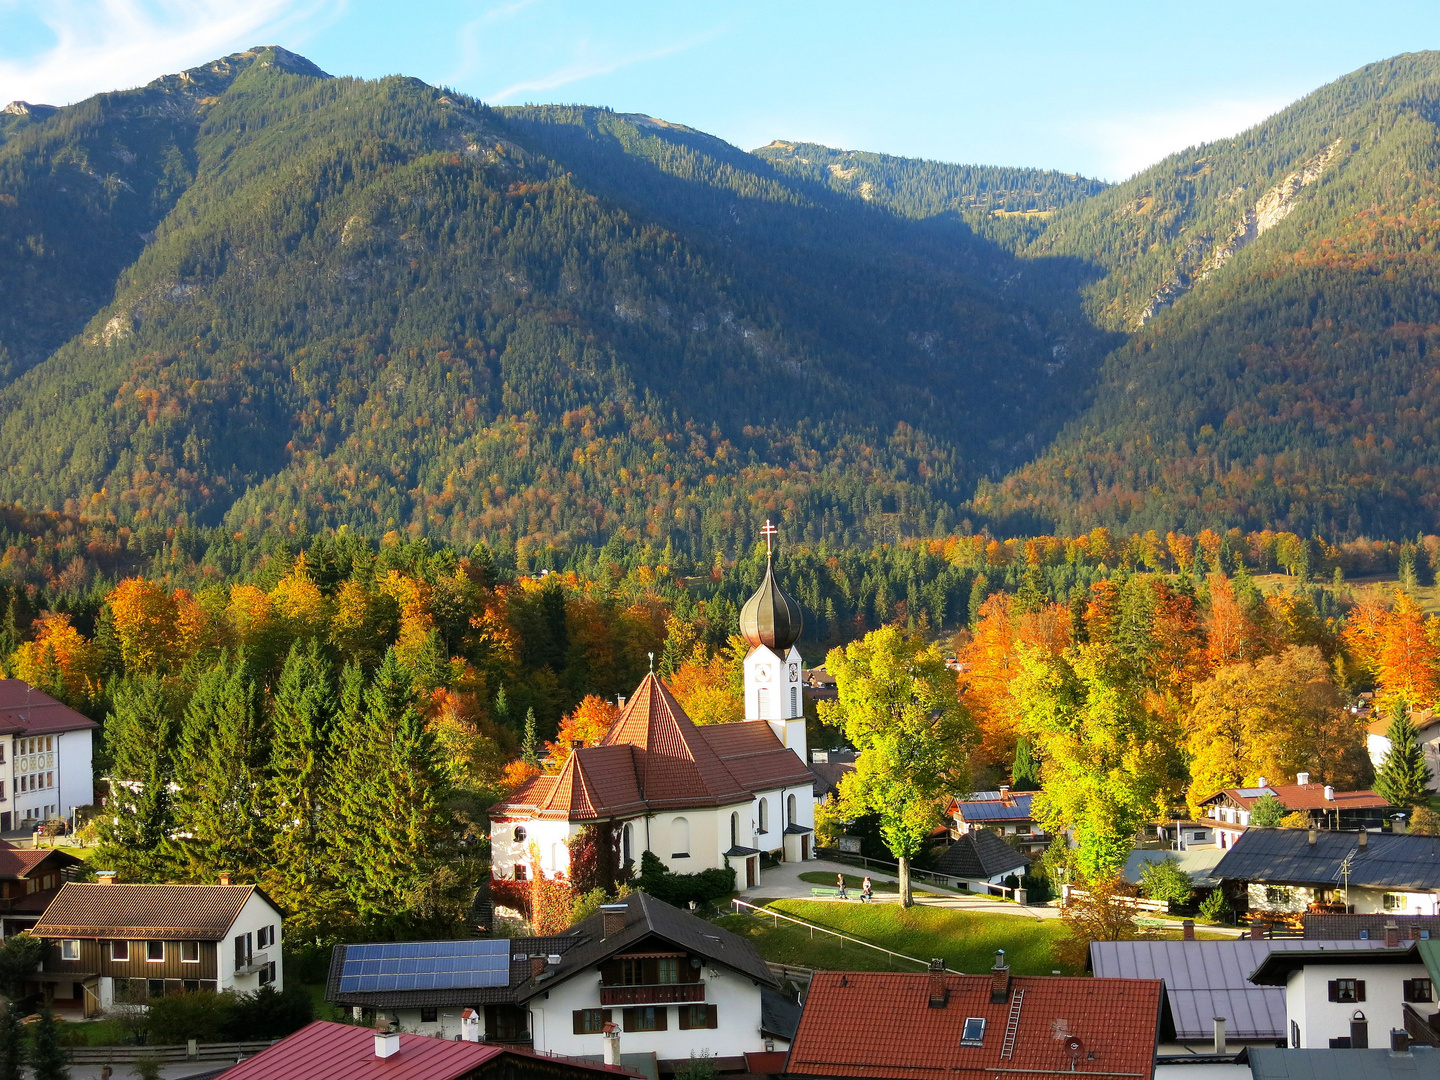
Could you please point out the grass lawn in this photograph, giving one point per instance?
(853, 883)
(92, 1033)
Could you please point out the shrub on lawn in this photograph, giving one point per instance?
(206, 1016)
(680, 889)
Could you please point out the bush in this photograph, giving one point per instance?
(680, 889)
(1037, 889)
(196, 1014)
(206, 1016)
(1268, 812)
(1216, 908)
(268, 1014)
(1164, 880)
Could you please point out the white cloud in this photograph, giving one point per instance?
(114, 44)
(588, 67)
(1127, 144)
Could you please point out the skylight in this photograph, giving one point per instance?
(974, 1033)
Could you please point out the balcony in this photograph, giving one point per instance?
(655, 994)
(252, 964)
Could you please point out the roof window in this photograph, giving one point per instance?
(974, 1033)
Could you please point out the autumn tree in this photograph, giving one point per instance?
(585, 725)
(1408, 661)
(1104, 910)
(897, 704)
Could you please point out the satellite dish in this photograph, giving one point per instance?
(1074, 1045)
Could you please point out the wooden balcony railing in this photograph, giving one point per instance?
(1422, 1029)
(654, 994)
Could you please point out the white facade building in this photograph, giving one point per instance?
(45, 757)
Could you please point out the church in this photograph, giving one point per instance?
(695, 795)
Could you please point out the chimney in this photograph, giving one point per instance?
(105, 877)
(387, 1043)
(537, 966)
(1187, 929)
(1220, 1036)
(1005, 794)
(1329, 793)
(576, 744)
(1260, 782)
(1314, 835)
(620, 702)
(939, 992)
(225, 879)
(1397, 825)
(999, 979)
(613, 918)
(1257, 931)
(1302, 778)
(1364, 838)
(1399, 1041)
(612, 1043)
(1414, 932)
(470, 1026)
(1392, 935)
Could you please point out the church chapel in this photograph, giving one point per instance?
(695, 795)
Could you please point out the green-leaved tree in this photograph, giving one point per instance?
(1404, 777)
(1267, 812)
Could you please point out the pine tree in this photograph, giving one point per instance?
(12, 1044)
(304, 702)
(1025, 776)
(139, 734)
(349, 792)
(1404, 777)
(529, 748)
(221, 759)
(47, 1056)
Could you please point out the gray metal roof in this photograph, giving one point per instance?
(1422, 1063)
(1206, 979)
(1286, 857)
(1198, 862)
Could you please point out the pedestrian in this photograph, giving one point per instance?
(866, 890)
(840, 885)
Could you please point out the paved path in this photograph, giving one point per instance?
(783, 882)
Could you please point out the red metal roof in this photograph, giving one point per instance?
(654, 757)
(325, 1051)
(879, 1024)
(26, 711)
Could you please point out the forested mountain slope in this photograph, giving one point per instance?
(1281, 288)
(378, 305)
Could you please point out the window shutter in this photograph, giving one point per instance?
(579, 1018)
(684, 1017)
(662, 1012)
(712, 1016)
(1359, 989)
(1334, 990)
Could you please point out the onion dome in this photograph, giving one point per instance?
(771, 618)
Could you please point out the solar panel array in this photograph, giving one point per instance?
(425, 965)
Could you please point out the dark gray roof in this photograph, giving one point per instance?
(980, 854)
(521, 950)
(1286, 857)
(1422, 1063)
(1350, 927)
(828, 775)
(645, 917)
(1275, 969)
(779, 1014)
(1206, 979)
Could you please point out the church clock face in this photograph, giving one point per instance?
(763, 671)
(794, 672)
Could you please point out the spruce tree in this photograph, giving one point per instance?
(350, 790)
(47, 1056)
(1404, 777)
(304, 702)
(1025, 776)
(529, 749)
(12, 1043)
(137, 822)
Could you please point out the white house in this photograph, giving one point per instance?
(108, 942)
(45, 757)
(1353, 997)
(696, 796)
(1427, 732)
(655, 979)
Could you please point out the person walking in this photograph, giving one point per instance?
(866, 890)
(840, 885)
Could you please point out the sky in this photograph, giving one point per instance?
(1101, 89)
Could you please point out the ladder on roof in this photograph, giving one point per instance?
(1012, 1025)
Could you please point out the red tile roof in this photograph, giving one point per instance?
(19, 862)
(876, 1024)
(654, 757)
(1306, 797)
(26, 711)
(324, 1050)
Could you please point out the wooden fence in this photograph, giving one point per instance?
(170, 1055)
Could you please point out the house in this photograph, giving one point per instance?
(982, 856)
(830, 767)
(946, 1026)
(1197, 862)
(1328, 809)
(1427, 733)
(672, 983)
(45, 757)
(1401, 1061)
(324, 1049)
(698, 797)
(1003, 812)
(1285, 871)
(1182, 834)
(1336, 998)
(106, 943)
(29, 879)
(1324, 926)
(1209, 979)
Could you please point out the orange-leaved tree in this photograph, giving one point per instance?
(586, 725)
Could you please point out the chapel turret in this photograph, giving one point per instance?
(771, 622)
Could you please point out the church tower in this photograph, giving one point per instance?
(771, 622)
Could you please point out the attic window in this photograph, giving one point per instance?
(974, 1033)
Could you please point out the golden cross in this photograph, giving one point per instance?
(769, 532)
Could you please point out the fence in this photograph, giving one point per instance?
(1139, 903)
(760, 912)
(116, 1055)
(928, 877)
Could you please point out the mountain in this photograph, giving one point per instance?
(329, 302)
(1280, 293)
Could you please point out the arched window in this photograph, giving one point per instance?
(734, 830)
(764, 815)
(519, 834)
(790, 810)
(680, 839)
(626, 839)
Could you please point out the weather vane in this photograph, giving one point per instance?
(769, 532)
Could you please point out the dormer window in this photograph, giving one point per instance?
(974, 1033)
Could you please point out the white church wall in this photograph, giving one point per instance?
(550, 837)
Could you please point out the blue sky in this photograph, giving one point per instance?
(1098, 88)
